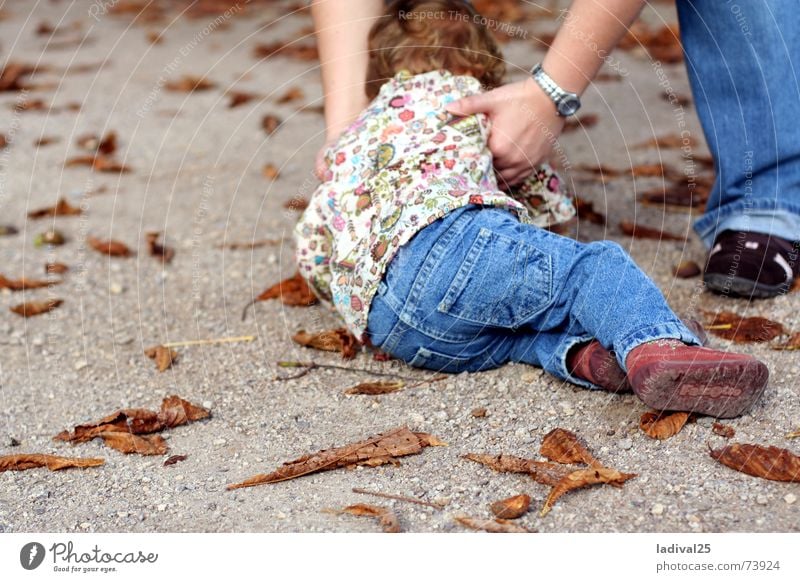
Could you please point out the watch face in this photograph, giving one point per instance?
(568, 106)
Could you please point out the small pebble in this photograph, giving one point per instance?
(219, 442)
(790, 498)
(625, 444)
(161, 507)
(657, 509)
(115, 288)
(761, 500)
(80, 364)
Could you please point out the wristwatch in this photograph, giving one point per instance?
(566, 103)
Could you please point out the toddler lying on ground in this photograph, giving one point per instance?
(412, 242)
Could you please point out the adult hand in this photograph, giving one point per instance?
(525, 126)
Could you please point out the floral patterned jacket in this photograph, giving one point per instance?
(404, 163)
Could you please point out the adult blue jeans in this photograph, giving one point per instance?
(743, 59)
(477, 288)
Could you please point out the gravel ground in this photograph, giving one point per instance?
(196, 175)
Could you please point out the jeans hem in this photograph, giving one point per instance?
(667, 330)
(707, 226)
(561, 369)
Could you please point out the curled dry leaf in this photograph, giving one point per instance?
(723, 430)
(769, 462)
(731, 326)
(240, 98)
(660, 427)
(291, 95)
(99, 163)
(376, 387)
(270, 124)
(562, 446)
(584, 478)
(31, 308)
(11, 75)
(163, 356)
(23, 283)
(333, 340)
(55, 268)
(52, 462)
(129, 443)
(542, 472)
(378, 450)
(686, 270)
(293, 291)
(793, 343)
(175, 459)
(511, 508)
(189, 83)
(165, 253)
(62, 208)
(298, 203)
(112, 248)
(386, 517)
(490, 525)
(638, 231)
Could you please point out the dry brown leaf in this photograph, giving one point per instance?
(584, 478)
(3, 141)
(23, 283)
(55, 268)
(31, 308)
(662, 44)
(686, 270)
(731, 326)
(99, 163)
(376, 387)
(478, 413)
(562, 446)
(174, 411)
(378, 450)
(270, 124)
(293, 291)
(586, 121)
(769, 462)
(164, 357)
(297, 203)
(332, 340)
(673, 140)
(723, 430)
(639, 231)
(291, 95)
(656, 426)
(270, 171)
(490, 525)
(291, 49)
(52, 462)
(386, 517)
(240, 98)
(112, 248)
(542, 472)
(238, 246)
(586, 211)
(11, 75)
(129, 443)
(174, 459)
(165, 253)
(106, 145)
(511, 508)
(793, 343)
(62, 208)
(189, 83)
(42, 141)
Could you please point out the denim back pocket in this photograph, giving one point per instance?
(502, 282)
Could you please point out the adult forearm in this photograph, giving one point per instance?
(589, 31)
(342, 30)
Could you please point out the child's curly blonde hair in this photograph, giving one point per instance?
(427, 35)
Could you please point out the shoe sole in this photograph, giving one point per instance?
(740, 287)
(722, 390)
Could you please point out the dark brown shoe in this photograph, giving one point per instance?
(669, 375)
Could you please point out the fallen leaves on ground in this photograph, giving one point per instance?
(3, 141)
(673, 140)
(42, 141)
(112, 248)
(121, 429)
(297, 203)
(240, 98)
(490, 525)
(767, 462)
(586, 121)
(290, 49)
(511, 508)
(99, 163)
(385, 516)
(55, 268)
(332, 340)
(106, 145)
(656, 425)
(478, 413)
(586, 211)
(730, 326)
(49, 237)
(542, 472)
(52, 462)
(23, 283)
(165, 253)
(11, 76)
(378, 450)
(62, 208)
(293, 291)
(188, 84)
(238, 246)
(31, 308)
(638, 231)
(270, 171)
(376, 387)
(723, 430)
(175, 459)
(686, 270)
(793, 343)
(662, 44)
(581, 478)
(270, 124)
(292, 94)
(164, 357)
(563, 446)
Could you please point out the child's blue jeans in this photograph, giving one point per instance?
(477, 288)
